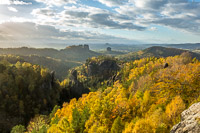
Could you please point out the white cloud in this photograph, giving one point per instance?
(31, 31)
(127, 15)
(19, 19)
(153, 29)
(86, 16)
(44, 13)
(12, 9)
(14, 2)
(177, 14)
(149, 4)
(124, 15)
(112, 3)
(57, 2)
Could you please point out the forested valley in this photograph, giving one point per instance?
(105, 94)
(99, 66)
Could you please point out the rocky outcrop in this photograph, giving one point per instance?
(73, 76)
(104, 68)
(84, 47)
(109, 49)
(190, 121)
(76, 88)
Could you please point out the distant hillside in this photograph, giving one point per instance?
(60, 67)
(156, 51)
(112, 53)
(59, 61)
(189, 46)
(118, 47)
(72, 53)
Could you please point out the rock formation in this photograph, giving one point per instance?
(76, 87)
(84, 47)
(190, 121)
(104, 68)
(73, 75)
(109, 49)
(166, 65)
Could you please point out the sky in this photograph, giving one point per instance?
(54, 23)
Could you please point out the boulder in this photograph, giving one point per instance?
(190, 120)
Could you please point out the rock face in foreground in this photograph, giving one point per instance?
(190, 121)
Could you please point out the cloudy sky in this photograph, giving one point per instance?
(53, 22)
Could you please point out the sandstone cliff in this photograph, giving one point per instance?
(190, 120)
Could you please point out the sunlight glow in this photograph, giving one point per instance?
(5, 2)
(15, 2)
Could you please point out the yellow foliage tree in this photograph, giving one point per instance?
(143, 126)
(174, 108)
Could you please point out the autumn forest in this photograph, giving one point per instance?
(105, 94)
